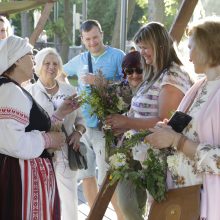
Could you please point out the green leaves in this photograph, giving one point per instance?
(135, 139)
(107, 98)
(154, 174)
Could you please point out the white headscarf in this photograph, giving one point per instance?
(11, 50)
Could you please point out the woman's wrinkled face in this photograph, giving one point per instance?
(147, 52)
(196, 56)
(50, 67)
(3, 30)
(25, 66)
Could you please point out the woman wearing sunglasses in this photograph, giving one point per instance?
(165, 84)
(133, 70)
(132, 200)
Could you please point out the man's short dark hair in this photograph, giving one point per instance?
(87, 25)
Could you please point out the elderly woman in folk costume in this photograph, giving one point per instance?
(50, 93)
(27, 181)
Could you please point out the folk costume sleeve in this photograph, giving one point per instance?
(14, 117)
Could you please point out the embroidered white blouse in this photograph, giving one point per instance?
(15, 109)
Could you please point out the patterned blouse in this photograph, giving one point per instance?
(186, 172)
(145, 104)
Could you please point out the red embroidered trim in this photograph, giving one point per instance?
(40, 187)
(11, 113)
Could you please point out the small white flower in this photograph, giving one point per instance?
(117, 160)
(128, 134)
(140, 150)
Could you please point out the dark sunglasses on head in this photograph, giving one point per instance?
(129, 71)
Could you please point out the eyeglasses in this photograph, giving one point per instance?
(130, 71)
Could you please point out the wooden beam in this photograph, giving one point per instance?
(179, 25)
(102, 200)
(7, 8)
(41, 23)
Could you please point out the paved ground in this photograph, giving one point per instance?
(83, 208)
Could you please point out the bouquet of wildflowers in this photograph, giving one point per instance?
(105, 98)
(152, 176)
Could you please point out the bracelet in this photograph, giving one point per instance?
(181, 142)
(80, 132)
(56, 118)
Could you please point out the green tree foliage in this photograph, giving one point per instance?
(16, 22)
(105, 13)
(55, 26)
(171, 10)
(139, 18)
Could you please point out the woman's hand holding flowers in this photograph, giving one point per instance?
(117, 122)
(163, 136)
(89, 79)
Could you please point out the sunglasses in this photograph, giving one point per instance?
(129, 71)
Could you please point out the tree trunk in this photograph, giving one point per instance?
(131, 7)
(116, 33)
(68, 30)
(25, 24)
(156, 11)
(40, 25)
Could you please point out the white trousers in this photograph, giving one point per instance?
(67, 186)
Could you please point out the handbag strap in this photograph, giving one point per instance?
(191, 101)
(149, 84)
(90, 63)
(64, 131)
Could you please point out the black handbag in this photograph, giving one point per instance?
(77, 159)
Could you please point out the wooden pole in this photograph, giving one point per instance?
(179, 25)
(41, 23)
(102, 199)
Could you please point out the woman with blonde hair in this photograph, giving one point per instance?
(197, 152)
(50, 93)
(165, 81)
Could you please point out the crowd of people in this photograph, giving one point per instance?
(34, 116)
